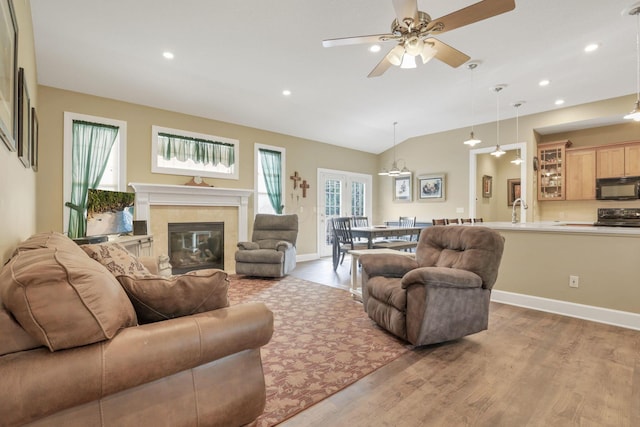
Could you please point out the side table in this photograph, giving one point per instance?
(356, 281)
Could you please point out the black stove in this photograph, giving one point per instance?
(618, 217)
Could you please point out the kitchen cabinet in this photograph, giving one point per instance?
(618, 160)
(551, 170)
(581, 174)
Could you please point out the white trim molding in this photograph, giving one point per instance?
(184, 195)
(608, 316)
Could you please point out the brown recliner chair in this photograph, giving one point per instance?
(272, 250)
(441, 295)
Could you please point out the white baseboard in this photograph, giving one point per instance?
(307, 257)
(623, 319)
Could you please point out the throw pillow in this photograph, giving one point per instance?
(64, 300)
(158, 298)
(116, 258)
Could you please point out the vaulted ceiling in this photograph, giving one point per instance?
(233, 59)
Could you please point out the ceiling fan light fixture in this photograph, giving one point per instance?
(414, 46)
(408, 61)
(396, 54)
(428, 53)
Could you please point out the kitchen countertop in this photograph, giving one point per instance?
(577, 227)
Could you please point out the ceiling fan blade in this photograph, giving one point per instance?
(448, 54)
(470, 14)
(406, 9)
(380, 69)
(374, 38)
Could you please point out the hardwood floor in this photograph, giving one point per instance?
(529, 368)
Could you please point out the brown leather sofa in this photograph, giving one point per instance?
(441, 295)
(72, 352)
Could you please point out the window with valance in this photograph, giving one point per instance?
(181, 152)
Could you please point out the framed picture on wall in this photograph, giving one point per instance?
(9, 80)
(24, 121)
(513, 190)
(431, 188)
(402, 188)
(487, 186)
(34, 140)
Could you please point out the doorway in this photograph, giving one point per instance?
(475, 176)
(340, 194)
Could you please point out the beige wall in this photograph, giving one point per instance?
(303, 156)
(18, 184)
(539, 264)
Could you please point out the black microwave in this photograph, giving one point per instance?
(624, 188)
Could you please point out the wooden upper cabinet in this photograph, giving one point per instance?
(632, 159)
(618, 160)
(581, 174)
(551, 170)
(610, 163)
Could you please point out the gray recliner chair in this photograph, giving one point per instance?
(272, 250)
(442, 294)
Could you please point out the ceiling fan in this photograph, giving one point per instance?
(412, 29)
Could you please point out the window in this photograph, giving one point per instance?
(98, 146)
(179, 152)
(269, 181)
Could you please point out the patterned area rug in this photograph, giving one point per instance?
(322, 342)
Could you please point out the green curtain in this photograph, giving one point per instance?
(272, 173)
(92, 143)
(197, 150)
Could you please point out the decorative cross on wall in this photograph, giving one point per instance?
(295, 178)
(304, 187)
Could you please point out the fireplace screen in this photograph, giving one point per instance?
(196, 245)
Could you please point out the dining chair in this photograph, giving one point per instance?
(439, 222)
(359, 221)
(343, 240)
(404, 242)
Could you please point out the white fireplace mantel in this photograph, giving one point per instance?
(185, 195)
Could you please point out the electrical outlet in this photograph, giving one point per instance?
(574, 281)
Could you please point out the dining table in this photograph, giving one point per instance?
(374, 231)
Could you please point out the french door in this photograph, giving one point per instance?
(340, 194)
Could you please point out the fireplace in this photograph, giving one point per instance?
(196, 245)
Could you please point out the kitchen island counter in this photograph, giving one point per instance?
(540, 258)
(563, 227)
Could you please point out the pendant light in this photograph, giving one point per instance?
(472, 141)
(635, 114)
(498, 151)
(394, 170)
(518, 159)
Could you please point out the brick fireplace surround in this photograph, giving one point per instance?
(161, 204)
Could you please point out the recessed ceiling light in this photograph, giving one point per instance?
(544, 82)
(167, 54)
(559, 101)
(591, 47)
(286, 92)
(374, 48)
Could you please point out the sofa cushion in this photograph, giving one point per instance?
(116, 258)
(158, 298)
(49, 239)
(14, 337)
(64, 299)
